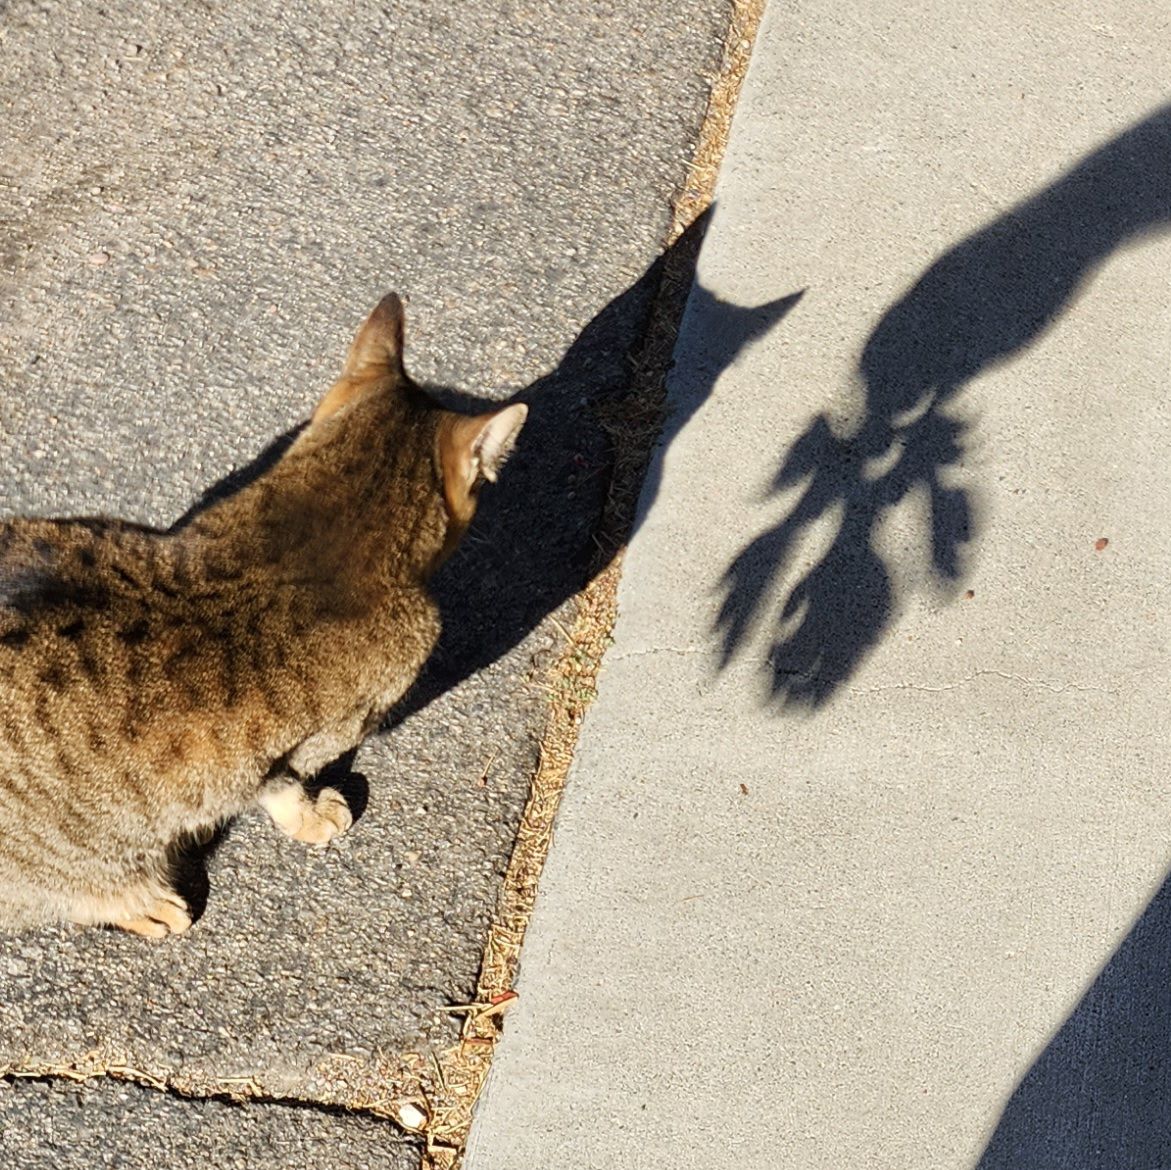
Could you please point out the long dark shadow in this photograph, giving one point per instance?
(980, 303)
(1097, 1096)
(533, 544)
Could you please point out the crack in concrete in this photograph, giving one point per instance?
(238, 1100)
(1007, 676)
(237, 1091)
(623, 655)
(1052, 686)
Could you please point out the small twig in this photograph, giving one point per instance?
(482, 1010)
(483, 780)
(438, 1071)
(564, 632)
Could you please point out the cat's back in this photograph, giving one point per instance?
(65, 585)
(125, 649)
(83, 615)
(61, 578)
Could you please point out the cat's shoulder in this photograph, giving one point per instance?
(43, 558)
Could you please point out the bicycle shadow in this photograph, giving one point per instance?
(979, 304)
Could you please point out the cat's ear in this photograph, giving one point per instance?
(377, 348)
(489, 441)
(473, 448)
(376, 352)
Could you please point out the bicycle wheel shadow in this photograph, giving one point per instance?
(1097, 1096)
(979, 304)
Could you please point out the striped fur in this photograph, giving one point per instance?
(157, 683)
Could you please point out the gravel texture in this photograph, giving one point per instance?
(198, 204)
(118, 1126)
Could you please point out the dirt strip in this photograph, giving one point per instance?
(442, 1100)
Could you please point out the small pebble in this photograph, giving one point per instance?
(411, 1116)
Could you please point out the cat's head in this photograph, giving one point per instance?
(420, 449)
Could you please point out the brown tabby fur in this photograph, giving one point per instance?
(155, 684)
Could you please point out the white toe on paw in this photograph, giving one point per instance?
(332, 805)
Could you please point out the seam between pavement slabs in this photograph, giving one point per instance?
(1044, 684)
(54, 1074)
(633, 429)
(1055, 686)
(241, 1091)
(444, 1090)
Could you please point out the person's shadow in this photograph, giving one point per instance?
(980, 303)
(1097, 1098)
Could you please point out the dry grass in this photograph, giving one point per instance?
(448, 1094)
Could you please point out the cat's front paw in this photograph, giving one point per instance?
(326, 817)
(168, 914)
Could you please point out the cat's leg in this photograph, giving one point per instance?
(324, 746)
(149, 908)
(315, 819)
(168, 914)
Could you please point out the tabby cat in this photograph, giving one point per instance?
(157, 683)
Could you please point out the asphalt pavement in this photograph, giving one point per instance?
(861, 860)
(60, 1125)
(198, 205)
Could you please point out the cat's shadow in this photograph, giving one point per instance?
(539, 535)
(535, 541)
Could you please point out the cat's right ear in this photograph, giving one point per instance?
(472, 449)
(376, 352)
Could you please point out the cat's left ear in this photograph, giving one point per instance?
(377, 348)
(473, 448)
(376, 352)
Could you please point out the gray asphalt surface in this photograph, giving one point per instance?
(198, 205)
(63, 1126)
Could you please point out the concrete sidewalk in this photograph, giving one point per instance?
(860, 860)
